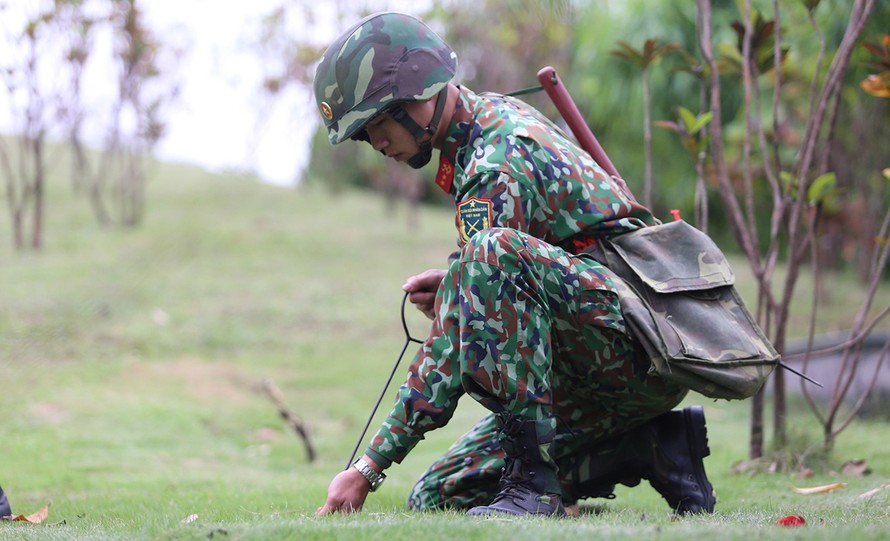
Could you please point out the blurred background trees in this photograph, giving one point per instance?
(503, 44)
(49, 45)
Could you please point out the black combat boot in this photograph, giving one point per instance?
(668, 451)
(5, 511)
(529, 484)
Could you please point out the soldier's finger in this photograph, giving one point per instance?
(325, 510)
(347, 508)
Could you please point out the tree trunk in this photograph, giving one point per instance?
(39, 174)
(755, 447)
(780, 434)
(647, 142)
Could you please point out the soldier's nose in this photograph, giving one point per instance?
(377, 140)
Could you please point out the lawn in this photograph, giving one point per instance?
(132, 363)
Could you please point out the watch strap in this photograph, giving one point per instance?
(374, 478)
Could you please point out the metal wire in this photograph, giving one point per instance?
(408, 340)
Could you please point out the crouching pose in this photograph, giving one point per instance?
(524, 319)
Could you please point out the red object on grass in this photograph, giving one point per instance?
(791, 521)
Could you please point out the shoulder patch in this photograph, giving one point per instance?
(473, 216)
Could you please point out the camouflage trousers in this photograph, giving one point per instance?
(541, 336)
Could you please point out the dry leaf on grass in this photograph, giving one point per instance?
(818, 490)
(874, 491)
(33, 518)
(855, 467)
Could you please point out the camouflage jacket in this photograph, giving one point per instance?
(507, 166)
(526, 174)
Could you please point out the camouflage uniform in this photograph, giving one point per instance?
(523, 323)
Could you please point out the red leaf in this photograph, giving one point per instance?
(791, 521)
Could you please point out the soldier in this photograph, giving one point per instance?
(523, 319)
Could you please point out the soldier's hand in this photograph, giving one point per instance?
(421, 289)
(346, 493)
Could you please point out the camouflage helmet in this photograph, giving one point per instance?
(382, 60)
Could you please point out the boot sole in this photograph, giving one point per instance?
(697, 436)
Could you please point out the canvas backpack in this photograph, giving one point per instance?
(679, 299)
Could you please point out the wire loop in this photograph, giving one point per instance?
(408, 340)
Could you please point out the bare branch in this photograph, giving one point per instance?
(832, 86)
(777, 91)
(871, 386)
(821, 58)
(850, 342)
(811, 231)
(747, 84)
(726, 192)
(302, 431)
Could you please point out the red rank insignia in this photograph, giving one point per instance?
(445, 174)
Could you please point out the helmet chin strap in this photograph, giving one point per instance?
(426, 147)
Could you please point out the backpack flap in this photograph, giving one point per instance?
(681, 304)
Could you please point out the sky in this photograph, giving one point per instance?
(219, 121)
(215, 124)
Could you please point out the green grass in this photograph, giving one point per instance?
(130, 362)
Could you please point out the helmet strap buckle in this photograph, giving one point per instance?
(399, 114)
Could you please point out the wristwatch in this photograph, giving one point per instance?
(376, 479)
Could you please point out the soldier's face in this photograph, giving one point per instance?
(388, 136)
